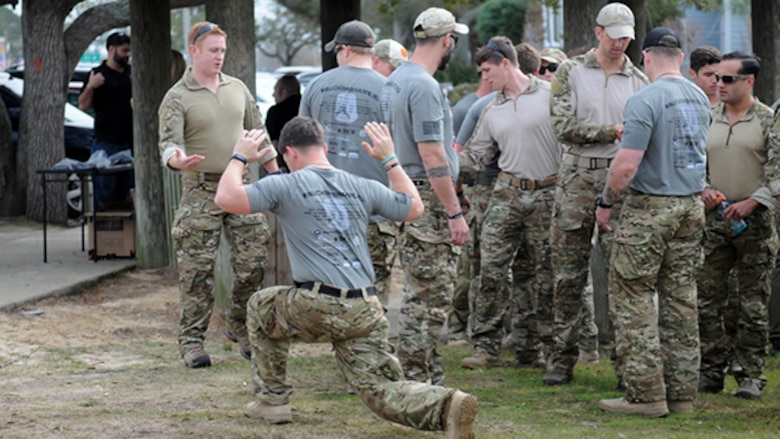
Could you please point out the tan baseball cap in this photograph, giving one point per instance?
(553, 56)
(435, 22)
(618, 20)
(391, 51)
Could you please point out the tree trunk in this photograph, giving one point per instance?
(641, 14)
(236, 17)
(534, 25)
(11, 201)
(579, 19)
(150, 21)
(41, 134)
(766, 44)
(333, 13)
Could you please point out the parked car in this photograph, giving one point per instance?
(78, 126)
(264, 91)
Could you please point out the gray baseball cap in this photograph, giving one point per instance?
(618, 20)
(391, 51)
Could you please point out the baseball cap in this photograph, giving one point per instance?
(435, 22)
(391, 51)
(618, 20)
(661, 37)
(553, 56)
(352, 33)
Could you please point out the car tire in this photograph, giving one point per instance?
(74, 196)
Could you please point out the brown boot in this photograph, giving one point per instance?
(481, 360)
(459, 416)
(655, 409)
(275, 414)
(680, 406)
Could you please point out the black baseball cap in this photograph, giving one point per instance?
(352, 33)
(661, 37)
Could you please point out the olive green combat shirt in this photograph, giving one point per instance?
(585, 104)
(742, 159)
(198, 121)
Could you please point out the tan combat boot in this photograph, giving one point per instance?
(655, 409)
(275, 414)
(481, 360)
(459, 416)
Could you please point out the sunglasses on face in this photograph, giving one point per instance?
(549, 67)
(729, 79)
(454, 37)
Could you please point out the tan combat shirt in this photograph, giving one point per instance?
(742, 159)
(521, 130)
(198, 121)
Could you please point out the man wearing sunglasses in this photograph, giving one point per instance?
(421, 124)
(659, 171)
(589, 93)
(551, 59)
(742, 160)
(201, 117)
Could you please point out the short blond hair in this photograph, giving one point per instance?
(203, 28)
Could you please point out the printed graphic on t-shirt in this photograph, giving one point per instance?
(687, 124)
(346, 108)
(334, 218)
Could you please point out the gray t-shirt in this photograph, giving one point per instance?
(467, 130)
(324, 215)
(416, 110)
(669, 120)
(343, 100)
(460, 109)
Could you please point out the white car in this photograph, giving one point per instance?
(79, 132)
(264, 90)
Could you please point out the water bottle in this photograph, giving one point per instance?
(737, 225)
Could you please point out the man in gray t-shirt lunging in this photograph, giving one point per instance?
(324, 213)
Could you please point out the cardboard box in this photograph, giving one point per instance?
(115, 234)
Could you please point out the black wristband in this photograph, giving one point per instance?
(388, 168)
(601, 203)
(456, 216)
(238, 157)
(459, 194)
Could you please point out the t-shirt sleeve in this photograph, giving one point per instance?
(638, 124)
(394, 206)
(427, 114)
(267, 193)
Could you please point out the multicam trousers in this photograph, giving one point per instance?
(657, 251)
(515, 219)
(196, 232)
(382, 238)
(429, 262)
(752, 254)
(571, 233)
(358, 330)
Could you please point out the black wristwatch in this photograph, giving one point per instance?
(601, 203)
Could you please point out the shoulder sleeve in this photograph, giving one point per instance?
(480, 148)
(394, 206)
(171, 125)
(638, 126)
(266, 194)
(427, 114)
(771, 124)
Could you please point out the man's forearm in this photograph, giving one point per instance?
(231, 195)
(437, 168)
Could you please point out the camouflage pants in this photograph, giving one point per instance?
(751, 254)
(196, 233)
(469, 261)
(657, 250)
(382, 240)
(429, 263)
(571, 233)
(358, 330)
(515, 219)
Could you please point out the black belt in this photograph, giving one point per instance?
(321, 288)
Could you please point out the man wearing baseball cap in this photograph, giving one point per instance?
(421, 124)
(388, 56)
(659, 171)
(343, 100)
(589, 93)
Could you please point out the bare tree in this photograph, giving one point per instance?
(285, 33)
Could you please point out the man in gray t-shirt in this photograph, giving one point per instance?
(419, 118)
(343, 100)
(658, 237)
(324, 213)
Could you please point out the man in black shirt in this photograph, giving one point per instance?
(108, 91)
(287, 94)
